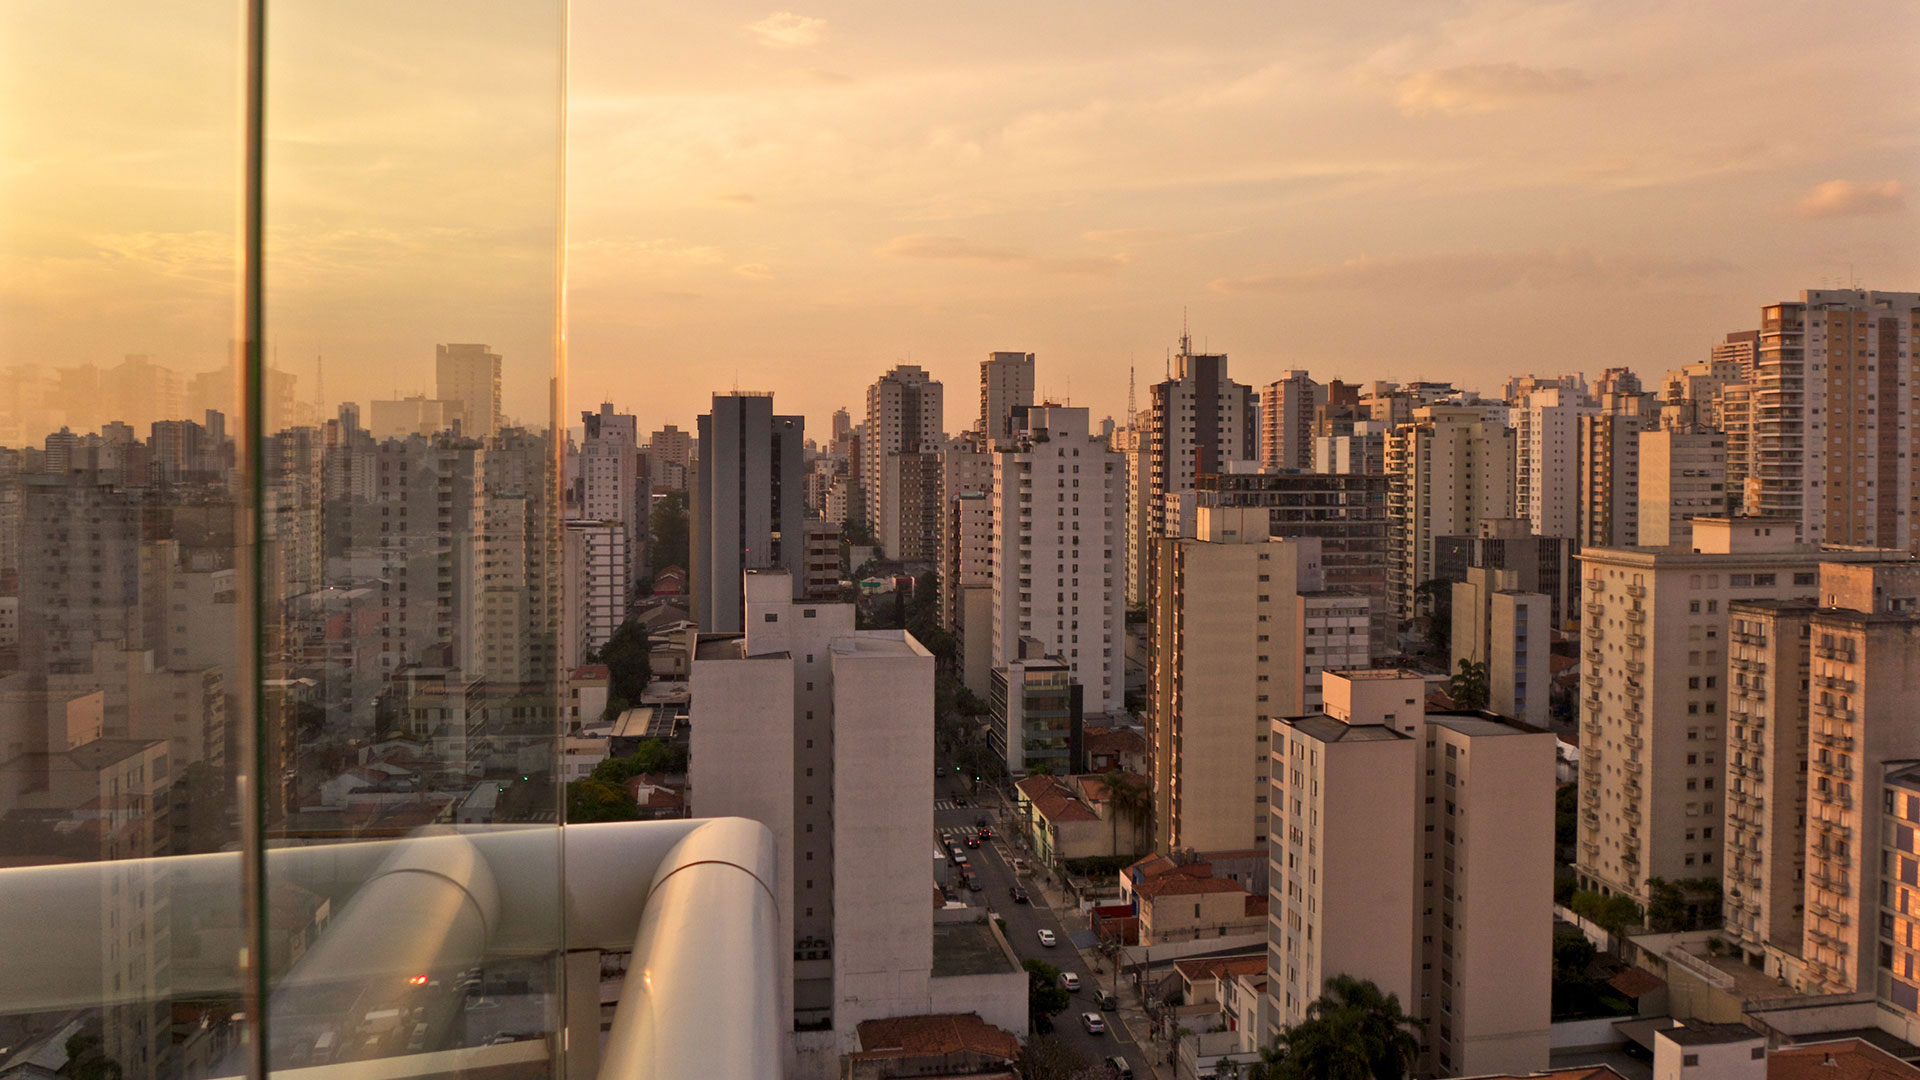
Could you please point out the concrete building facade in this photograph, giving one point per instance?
(1006, 392)
(1287, 408)
(749, 504)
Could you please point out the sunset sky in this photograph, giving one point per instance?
(795, 200)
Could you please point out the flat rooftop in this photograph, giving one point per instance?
(1477, 726)
(968, 948)
(877, 643)
(1326, 729)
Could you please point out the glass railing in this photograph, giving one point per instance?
(280, 491)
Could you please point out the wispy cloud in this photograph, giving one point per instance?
(960, 249)
(1848, 198)
(756, 271)
(786, 30)
(1478, 272)
(1479, 88)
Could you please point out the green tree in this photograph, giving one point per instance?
(1434, 599)
(1045, 996)
(1468, 687)
(1573, 954)
(629, 659)
(1046, 1057)
(1129, 798)
(670, 531)
(1611, 913)
(1352, 1032)
(86, 1060)
(597, 800)
(1566, 821)
(653, 756)
(969, 703)
(1687, 904)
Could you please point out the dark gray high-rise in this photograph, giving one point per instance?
(749, 505)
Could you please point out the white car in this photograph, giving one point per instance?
(1094, 1023)
(1069, 980)
(1047, 939)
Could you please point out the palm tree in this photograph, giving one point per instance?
(1128, 797)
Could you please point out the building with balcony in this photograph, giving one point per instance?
(1036, 712)
(1653, 714)
(1446, 470)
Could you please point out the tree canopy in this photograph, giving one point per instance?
(669, 531)
(629, 659)
(1045, 995)
(1351, 1032)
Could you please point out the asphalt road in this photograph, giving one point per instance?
(1024, 923)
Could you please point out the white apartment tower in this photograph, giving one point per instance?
(1446, 471)
(1006, 389)
(1058, 546)
(904, 416)
(1287, 420)
(1547, 459)
(825, 735)
(469, 376)
(1833, 435)
(613, 480)
(1654, 698)
(1437, 887)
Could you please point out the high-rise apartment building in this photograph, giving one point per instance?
(469, 375)
(910, 487)
(1362, 449)
(1653, 708)
(1057, 549)
(1741, 349)
(595, 588)
(749, 504)
(613, 482)
(1035, 712)
(1198, 421)
(1547, 474)
(1500, 625)
(904, 416)
(1833, 441)
(1683, 475)
(1345, 513)
(1436, 888)
(1448, 469)
(1242, 631)
(796, 722)
(1734, 404)
(1006, 392)
(1132, 445)
(1689, 392)
(669, 454)
(1609, 465)
(1287, 410)
(966, 559)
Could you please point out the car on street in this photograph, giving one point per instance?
(1017, 894)
(1118, 1066)
(973, 883)
(959, 858)
(985, 833)
(1047, 939)
(1094, 1023)
(1069, 981)
(1108, 1001)
(973, 841)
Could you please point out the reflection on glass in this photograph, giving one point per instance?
(401, 684)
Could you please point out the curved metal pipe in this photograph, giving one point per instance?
(706, 955)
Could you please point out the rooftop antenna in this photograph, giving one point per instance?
(1186, 341)
(1130, 419)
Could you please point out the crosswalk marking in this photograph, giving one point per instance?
(944, 804)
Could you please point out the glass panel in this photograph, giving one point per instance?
(121, 671)
(410, 666)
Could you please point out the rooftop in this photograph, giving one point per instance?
(1703, 1033)
(1848, 1059)
(1328, 730)
(1184, 885)
(968, 948)
(922, 1036)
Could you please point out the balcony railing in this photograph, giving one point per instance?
(692, 899)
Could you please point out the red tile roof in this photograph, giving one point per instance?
(1845, 1059)
(923, 1036)
(1216, 967)
(1636, 982)
(1054, 800)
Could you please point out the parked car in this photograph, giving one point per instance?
(959, 858)
(1069, 981)
(1047, 939)
(1018, 894)
(973, 884)
(1108, 1001)
(1118, 1066)
(1094, 1023)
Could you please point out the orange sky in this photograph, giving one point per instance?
(796, 200)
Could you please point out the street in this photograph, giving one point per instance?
(1024, 922)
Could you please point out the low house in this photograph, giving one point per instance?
(658, 796)
(1180, 907)
(1108, 749)
(953, 1045)
(1071, 817)
(671, 581)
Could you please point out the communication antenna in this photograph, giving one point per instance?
(1130, 414)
